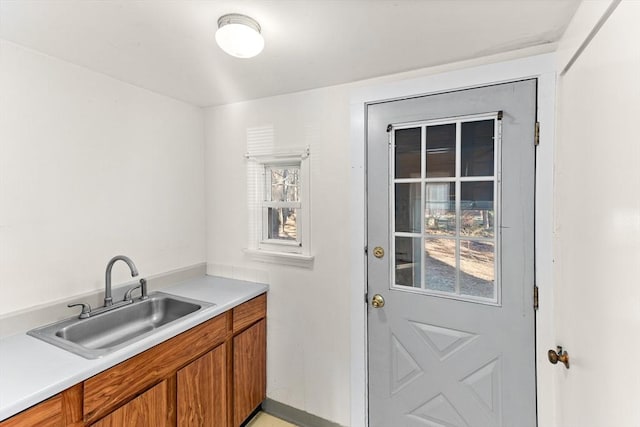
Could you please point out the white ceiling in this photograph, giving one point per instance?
(168, 46)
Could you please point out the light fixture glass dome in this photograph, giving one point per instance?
(239, 35)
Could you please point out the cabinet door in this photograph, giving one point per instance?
(45, 414)
(202, 390)
(249, 370)
(147, 410)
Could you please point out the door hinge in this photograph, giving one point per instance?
(536, 135)
(536, 302)
(366, 298)
(389, 127)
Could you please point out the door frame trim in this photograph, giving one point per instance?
(542, 67)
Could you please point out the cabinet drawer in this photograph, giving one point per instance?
(249, 312)
(106, 391)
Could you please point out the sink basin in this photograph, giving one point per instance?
(109, 331)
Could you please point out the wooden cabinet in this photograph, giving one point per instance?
(64, 409)
(109, 389)
(214, 374)
(249, 358)
(249, 370)
(147, 410)
(45, 414)
(202, 390)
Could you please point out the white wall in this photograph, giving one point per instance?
(91, 167)
(598, 228)
(308, 328)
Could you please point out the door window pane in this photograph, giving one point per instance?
(408, 153)
(477, 215)
(408, 254)
(477, 148)
(477, 268)
(448, 181)
(441, 151)
(407, 207)
(440, 208)
(440, 265)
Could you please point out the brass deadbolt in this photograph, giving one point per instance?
(559, 356)
(377, 301)
(378, 252)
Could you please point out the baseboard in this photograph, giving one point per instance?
(23, 320)
(252, 416)
(295, 416)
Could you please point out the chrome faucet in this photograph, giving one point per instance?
(108, 300)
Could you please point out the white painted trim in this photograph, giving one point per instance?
(607, 13)
(541, 67)
(284, 258)
(588, 19)
(282, 156)
(546, 379)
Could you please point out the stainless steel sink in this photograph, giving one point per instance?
(107, 332)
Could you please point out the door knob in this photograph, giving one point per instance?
(559, 356)
(378, 252)
(377, 301)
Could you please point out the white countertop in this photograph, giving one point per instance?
(32, 370)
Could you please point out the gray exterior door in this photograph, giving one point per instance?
(450, 230)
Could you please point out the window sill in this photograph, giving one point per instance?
(284, 258)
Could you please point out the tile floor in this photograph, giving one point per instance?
(262, 419)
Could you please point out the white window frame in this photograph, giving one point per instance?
(280, 244)
(288, 252)
(456, 180)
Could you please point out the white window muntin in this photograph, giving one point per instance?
(457, 180)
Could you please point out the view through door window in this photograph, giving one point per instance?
(444, 190)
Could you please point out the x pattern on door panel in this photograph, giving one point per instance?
(447, 401)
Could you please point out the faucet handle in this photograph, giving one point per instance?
(86, 309)
(143, 290)
(127, 295)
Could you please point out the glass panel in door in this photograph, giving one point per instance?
(444, 185)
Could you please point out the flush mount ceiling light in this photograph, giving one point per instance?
(239, 35)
